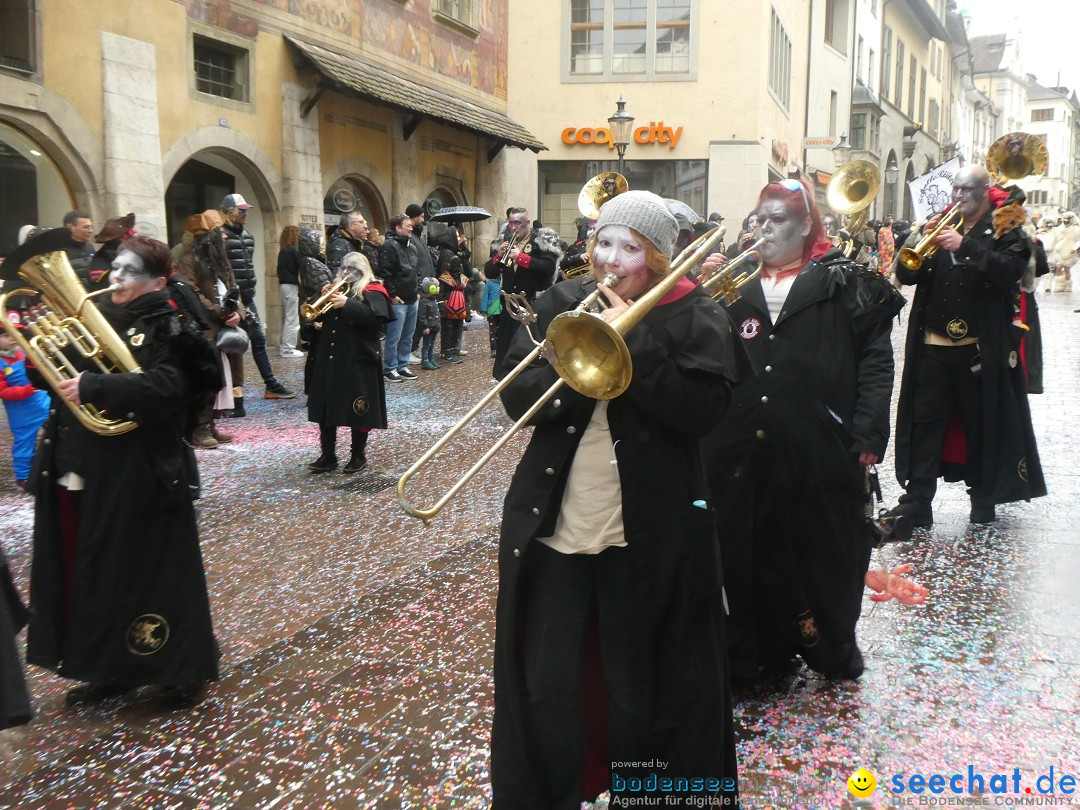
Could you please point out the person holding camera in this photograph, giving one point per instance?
(205, 267)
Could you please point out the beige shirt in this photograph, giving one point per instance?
(590, 519)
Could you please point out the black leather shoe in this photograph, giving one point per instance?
(920, 513)
(94, 693)
(356, 463)
(324, 463)
(982, 513)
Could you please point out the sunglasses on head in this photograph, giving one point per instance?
(795, 185)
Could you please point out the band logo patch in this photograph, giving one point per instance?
(1021, 469)
(147, 634)
(360, 405)
(749, 328)
(957, 328)
(137, 340)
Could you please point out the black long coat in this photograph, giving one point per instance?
(346, 386)
(683, 371)
(138, 611)
(14, 700)
(1011, 469)
(783, 463)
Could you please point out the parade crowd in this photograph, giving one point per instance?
(710, 523)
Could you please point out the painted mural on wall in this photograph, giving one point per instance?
(333, 15)
(412, 33)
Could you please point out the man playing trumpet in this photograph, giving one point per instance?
(962, 359)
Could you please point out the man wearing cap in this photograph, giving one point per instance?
(240, 246)
(80, 251)
(610, 622)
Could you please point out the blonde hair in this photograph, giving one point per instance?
(656, 260)
(361, 267)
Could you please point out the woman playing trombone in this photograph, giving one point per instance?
(609, 638)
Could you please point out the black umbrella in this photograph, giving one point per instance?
(460, 213)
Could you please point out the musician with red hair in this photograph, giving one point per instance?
(786, 464)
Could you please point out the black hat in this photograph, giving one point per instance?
(413, 210)
(46, 242)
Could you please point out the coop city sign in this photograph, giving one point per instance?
(655, 132)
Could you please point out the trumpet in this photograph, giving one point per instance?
(323, 304)
(588, 353)
(727, 283)
(66, 319)
(913, 258)
(506, 260)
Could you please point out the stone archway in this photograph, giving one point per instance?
(259, 181)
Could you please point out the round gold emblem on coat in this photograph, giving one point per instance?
(147, 634)
(360, 406)
(1012, 360)
(957, 328)
(1021, 469)
(527, 248)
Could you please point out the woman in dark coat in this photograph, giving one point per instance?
(609, 637)
(117, 591)
(452, 278)
(786, 464)
(346, 387)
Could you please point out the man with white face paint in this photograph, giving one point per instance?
(963, 412)
(117, 590)
(786, 464)
(608, 545)
(525, 262)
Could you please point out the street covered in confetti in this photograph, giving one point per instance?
(357, 644)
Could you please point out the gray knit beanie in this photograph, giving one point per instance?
(644, 212)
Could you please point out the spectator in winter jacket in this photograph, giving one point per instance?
(240, 246)
(428, 321)
(81, 249)
(288, 270)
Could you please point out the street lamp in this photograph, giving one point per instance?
(892, 170)
(841, 151)
(621, 124)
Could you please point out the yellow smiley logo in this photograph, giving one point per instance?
(862, 783)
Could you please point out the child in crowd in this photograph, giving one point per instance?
(345, 387)
(452, 282)
(27, 407)
(491, 306)
(427, 318)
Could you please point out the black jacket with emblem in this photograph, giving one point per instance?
(346, 385)
(137, 611)
(997, 248)
(683, 369)
(783, 463)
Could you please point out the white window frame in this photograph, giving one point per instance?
(461, 14)
(650, 74)
(780, 52)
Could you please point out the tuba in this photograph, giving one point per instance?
(851, 192)
(65, 325)
(597, 191)
(1016, 156)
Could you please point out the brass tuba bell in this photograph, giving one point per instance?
(598, 190)
(852, 191)
(65, 325)
(1015, 156)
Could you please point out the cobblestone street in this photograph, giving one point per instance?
(357, 644)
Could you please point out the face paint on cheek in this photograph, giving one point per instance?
(127, 267)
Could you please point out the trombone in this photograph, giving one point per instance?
(588, 353)
(323, 304)
(913, 258)
(727, 283)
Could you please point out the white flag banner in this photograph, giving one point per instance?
(933, 191)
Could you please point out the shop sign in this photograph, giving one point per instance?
(655, 132)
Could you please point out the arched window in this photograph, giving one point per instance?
(354, 194)
(32, 190)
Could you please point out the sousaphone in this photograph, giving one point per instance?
(1015, 156)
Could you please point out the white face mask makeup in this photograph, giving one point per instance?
(130, 274)
(519, 224)
(622, 254)
(784, 233)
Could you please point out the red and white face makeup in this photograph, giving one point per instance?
(619, 252)
(519, 223)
